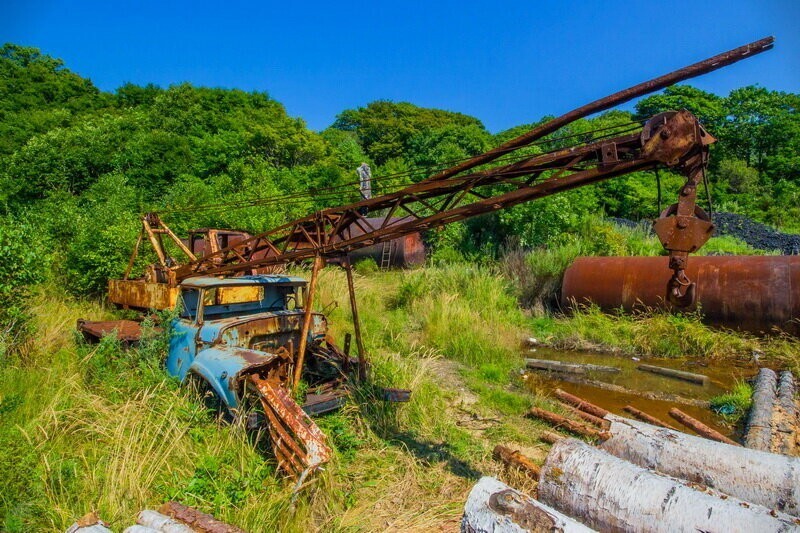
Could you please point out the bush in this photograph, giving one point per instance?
(366, 266)
(22, 265)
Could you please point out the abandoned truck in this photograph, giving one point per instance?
(235, 340)
(245, 333)
(231, 327)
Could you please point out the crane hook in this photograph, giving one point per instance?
(681, 291)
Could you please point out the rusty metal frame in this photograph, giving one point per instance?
(307, 313)
(437, 198)
(297, 442)
(362, 355)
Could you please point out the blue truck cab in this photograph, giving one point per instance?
(228, 328)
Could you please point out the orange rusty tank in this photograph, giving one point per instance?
(749, 293)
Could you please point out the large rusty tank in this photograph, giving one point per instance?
(750, 293)
(402, 252)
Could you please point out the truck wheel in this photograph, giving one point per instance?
(205, 394)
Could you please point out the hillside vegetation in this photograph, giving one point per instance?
(98, 427)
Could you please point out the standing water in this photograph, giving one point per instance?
(652, 393)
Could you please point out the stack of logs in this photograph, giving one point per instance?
(646, 476)
(771, 425)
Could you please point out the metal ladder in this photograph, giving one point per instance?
(386, 255)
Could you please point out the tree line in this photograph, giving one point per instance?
(78, 165)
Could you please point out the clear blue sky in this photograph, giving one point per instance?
(506, 63)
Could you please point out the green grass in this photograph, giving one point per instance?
(735, 404)
(101, 428)
(660, 334)
(85, 428)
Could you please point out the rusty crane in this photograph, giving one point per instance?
(675, 140)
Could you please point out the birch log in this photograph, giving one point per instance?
(763, 478)
(784, 418)
(611, 494)
(758, 431)
(160, 522)
(493, 507)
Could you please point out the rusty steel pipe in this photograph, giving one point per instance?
(749, 293)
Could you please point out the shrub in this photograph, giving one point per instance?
(22, 264)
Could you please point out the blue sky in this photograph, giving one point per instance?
(506, 63)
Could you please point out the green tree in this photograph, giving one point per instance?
(709, 108)
(385, 129)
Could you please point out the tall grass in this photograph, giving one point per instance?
(96, 427)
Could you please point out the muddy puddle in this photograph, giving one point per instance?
(651, 393)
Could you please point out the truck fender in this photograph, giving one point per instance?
(226, 395)
(221, 367)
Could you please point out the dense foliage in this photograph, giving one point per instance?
(77, 168)
(79, 165)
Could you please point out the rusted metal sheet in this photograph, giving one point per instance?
(326, 402)
(299, 445)
(126, 331)
(396, 395)
(749, 293)
(140, 294)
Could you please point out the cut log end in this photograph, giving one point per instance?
(494, 506)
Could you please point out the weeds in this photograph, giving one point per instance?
(96, 427)
(734, 404)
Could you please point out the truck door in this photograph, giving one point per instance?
(183, 340)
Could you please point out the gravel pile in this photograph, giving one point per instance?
(757, 235)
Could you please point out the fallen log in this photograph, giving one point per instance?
(677, 374)
(784, 419)
(758, 430)
(580, 403)
(700, 428)
(495, 507)
(644, 417)
(513, 458)
(611, 494)
(551, 437)
(571, 368)
(198, 521)
(565, 423)
(759, 477)
(593, 420)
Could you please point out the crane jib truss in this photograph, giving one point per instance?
(674, 140)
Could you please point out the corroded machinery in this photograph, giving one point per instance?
(673, 140)
(751, 293)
